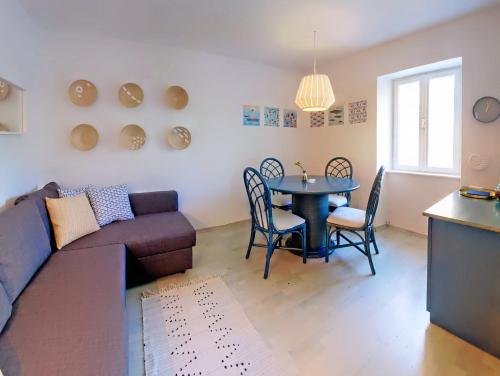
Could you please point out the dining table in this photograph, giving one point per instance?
(310, 201)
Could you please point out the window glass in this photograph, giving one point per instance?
(441, 122)
(408, 120)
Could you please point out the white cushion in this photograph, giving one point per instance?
(337, 200)
(281, 200)
(284, 220)
(347, 217)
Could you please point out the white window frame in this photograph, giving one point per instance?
(423, 79)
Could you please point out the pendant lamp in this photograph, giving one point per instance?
(315, 91)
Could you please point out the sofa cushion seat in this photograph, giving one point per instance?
(144, 236)
(71, 319)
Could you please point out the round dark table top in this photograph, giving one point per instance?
(323, 185)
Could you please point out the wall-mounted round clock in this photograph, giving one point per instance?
(486, 109)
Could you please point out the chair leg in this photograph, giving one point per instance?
(250, 244)
(374, 241)
(268, 256)
(337, 233)
(327, 242)
(367, 250)
(304, 247)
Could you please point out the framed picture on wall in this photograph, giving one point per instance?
(290, 119)
(357, 112)
(251, 115)
(336, 115)
(271, 117)
(317, 119)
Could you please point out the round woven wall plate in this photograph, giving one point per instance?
(82, 93)
(132, 137)
(4, 90)
(176, 97)
(478, 162)
(84, 137)
(130, 95)
(179, 138)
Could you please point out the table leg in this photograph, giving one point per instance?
(314, 209)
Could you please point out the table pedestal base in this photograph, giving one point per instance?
(314, 209)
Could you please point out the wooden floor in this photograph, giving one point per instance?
(331, 319)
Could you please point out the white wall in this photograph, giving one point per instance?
(207, 175)
(18, 64)
(355, 77)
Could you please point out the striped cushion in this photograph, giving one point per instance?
(71, 217)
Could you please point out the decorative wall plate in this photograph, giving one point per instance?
(84, 137)
(82, 93)
(179, 138)
(4, 90)
(132, 137)
(177, 97)
(130, 95)
(478, 162)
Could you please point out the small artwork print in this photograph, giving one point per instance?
(290, 119)
(317, 119)
(357, 112)
(271, 116)
(336, 115)
(251, 115)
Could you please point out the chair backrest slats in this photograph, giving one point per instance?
(371, 208)
(271, 168)
(340, 167)
(259, 197)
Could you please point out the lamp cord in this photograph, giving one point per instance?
(314, 51)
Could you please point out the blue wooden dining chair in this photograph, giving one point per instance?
(339, 167)
(273, 224)
(356, 221)
(272, 168)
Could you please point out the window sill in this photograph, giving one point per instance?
(429, 174)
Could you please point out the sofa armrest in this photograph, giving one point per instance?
(154, 202)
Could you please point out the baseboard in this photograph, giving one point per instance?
(404, 230)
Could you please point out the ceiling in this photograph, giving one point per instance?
(276, 32)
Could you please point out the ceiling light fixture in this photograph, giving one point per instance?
(315, 91)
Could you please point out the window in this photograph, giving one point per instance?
(426, 122)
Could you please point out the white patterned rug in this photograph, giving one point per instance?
(200, 329)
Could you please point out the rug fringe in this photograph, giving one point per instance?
(176, 285)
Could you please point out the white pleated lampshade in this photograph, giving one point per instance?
(315, 93)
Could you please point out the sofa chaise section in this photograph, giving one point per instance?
(159, 237)
(71, 318)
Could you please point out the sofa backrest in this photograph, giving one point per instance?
(5, 307)
(154, 202)
(24, 246)
(50, 190)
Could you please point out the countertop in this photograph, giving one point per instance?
(483, 214)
